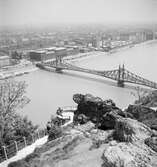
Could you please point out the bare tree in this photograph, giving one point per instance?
(12, 97)
(139, 94)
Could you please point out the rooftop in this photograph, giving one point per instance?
(50, 52)
(60, 48)
(51, 48)
(69, 49)
(38, 51)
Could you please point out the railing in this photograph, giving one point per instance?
(67, 108)
(11, 150)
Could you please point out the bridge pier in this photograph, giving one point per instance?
(120, 83)
(121, 72)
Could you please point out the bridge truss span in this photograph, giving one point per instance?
(121, 75)
(133, 78)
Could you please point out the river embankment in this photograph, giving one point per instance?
(16, 70)
(82, 56)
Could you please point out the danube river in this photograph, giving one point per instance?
(49, 90)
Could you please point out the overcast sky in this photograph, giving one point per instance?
(34, 12)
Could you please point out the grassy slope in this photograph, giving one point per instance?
(74, 149)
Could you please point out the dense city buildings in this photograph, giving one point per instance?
(52, 52)
(44, 45)
(37, 55)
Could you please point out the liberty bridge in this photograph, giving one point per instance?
(121, 75)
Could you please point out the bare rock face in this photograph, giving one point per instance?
(129, 148)
(96, 110)
(154, 133)
(152, 143)
(110, 119)
(78, 98)
(128, 155)
(129, 130)
(101, 135)
(81, 119)
(128, 137)
(143, 114)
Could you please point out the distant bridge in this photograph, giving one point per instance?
(121, 75)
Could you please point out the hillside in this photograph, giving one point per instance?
(102, 136)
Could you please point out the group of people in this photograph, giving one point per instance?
(59, 111)
(55, 121)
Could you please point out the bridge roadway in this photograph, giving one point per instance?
(120, 75)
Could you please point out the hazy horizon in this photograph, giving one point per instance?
(52, 12)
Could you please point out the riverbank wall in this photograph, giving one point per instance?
(18, 70)
(87, 55)
(132, 46)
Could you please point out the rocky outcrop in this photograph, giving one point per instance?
(128, 155)
(152, 142)
(103, 135)
(81, 119)
(110, 118)
(127, 136)
(143, 114)
(128, 149)
(129, 130)
(102, 113)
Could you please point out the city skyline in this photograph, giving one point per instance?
(49, 12)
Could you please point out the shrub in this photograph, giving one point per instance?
(55, 132)
(123, 131)
(31, 156)
(24, 162)
(20, 163)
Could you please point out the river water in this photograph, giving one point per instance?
(49, 90)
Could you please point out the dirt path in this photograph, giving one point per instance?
(24, 152)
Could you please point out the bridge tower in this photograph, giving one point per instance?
(121, 72)
(58, 63)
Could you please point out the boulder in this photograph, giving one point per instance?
(81, 119)
(91, 98)
(87, 127)
(78, 98)
(109, 119)
(101, 135)
(129, 130)
(96, 110)
(152, 143)
(128, 155)
(154, 133)
(143, 114)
